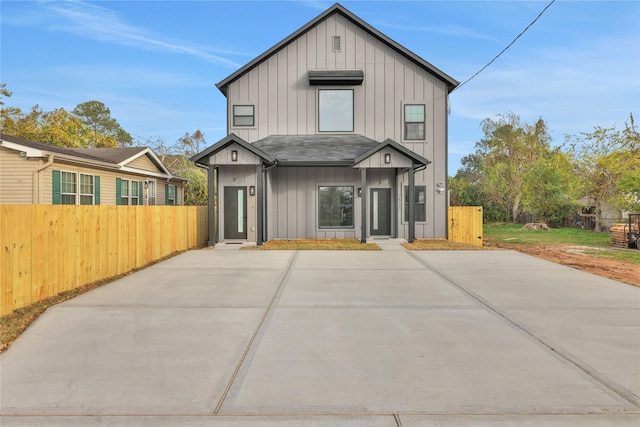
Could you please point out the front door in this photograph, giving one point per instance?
(235, 212)
(380, 212)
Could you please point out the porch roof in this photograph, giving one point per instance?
(327, 150)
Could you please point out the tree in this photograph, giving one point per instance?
(608, 164)
(4, 92)
(502, 159)
(107, 132)
(550, 187)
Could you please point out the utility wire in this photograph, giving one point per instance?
(510, 44)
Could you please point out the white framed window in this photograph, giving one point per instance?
(87, 190)
(335, 206)
(68, 188)
(243, 115)
(151, 191)
(335, 110)
(336, 43)
(135, 193)
(171, 194)
(414, 122)
(125, 191)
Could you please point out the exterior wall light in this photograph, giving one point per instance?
(234, 155)
(252, 190)
(387, 158)
(359, 192)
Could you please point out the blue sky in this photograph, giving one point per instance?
(155, 63)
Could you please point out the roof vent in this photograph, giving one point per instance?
(336, 43)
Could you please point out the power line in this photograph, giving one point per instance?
(510, 44)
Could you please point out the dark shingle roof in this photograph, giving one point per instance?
(320, 149)
(111, 155)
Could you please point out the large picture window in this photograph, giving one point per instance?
(335, 207)
(335, 110)
(414, 120)
(420, 213)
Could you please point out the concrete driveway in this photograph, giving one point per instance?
(392, 338)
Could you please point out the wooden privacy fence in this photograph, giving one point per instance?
(465, 224)
(51, 249)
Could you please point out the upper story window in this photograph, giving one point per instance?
(414, 122)
(243, 115)
(335, 110)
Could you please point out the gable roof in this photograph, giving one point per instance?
(337, 8)
(114, 158)
(201, 157)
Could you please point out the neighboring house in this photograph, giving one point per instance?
(336, 131)
(36, 173)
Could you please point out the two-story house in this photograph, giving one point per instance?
(336, 131)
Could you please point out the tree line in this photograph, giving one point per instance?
(515, 168)
(90, 125)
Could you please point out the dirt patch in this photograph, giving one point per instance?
(580, 258)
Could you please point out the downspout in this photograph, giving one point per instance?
(36, 179)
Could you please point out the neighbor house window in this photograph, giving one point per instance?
(135, 193)
(151, 192)
(86, 189)
(420, 213)
(335, 110)
(170, 194)
(243, 115)
(414, 121)
(336, 44)
(124, 192)
(69, 188)
(73, 188)
(335, 207)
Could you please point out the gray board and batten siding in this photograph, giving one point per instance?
(281, 89)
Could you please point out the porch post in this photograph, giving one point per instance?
(412, 206)
(259, 204)
(363, 206)
(211, 209)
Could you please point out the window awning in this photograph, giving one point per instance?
(335, 77)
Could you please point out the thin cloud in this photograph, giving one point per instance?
(100, 23)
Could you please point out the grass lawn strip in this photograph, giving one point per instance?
(315, 245)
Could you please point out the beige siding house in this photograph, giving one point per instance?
(336, 131)
(36, 173)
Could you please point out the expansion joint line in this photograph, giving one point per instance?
(611, 385)
(276, 295)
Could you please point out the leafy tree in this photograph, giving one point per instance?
(502, 159)
(107, 132)
(550, 187)
(608, 165)
(4, 92)
(176, 158)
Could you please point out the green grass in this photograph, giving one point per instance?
(632, 256)
(512, 233)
